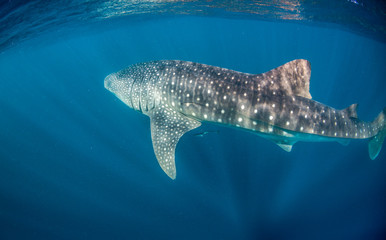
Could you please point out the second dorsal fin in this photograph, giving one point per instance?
(351, 111)
(292, 77)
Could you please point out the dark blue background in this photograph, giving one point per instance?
(76, 163)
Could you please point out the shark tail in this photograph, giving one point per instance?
(376, 141)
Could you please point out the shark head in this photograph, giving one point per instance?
(120, 86)
(134, 86)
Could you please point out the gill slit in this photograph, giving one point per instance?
(140, 92)
(131, 94)
(144, 90)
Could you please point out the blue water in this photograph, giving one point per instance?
(76, 163)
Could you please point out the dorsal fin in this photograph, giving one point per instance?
(292, 77)
(351, 111)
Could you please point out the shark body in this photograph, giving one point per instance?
(277, 105)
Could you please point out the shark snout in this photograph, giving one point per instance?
(109, 80)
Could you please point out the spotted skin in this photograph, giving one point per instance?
(277, 105)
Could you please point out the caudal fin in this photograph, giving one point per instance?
(376, 142)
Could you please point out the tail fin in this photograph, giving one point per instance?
(376, 142)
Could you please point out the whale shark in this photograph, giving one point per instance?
(276, 105)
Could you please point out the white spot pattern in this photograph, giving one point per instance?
(169, 85)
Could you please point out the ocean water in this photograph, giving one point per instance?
(76, 163)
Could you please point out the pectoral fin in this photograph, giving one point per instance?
(167, 127)
(344, 142)
(285, 147)
(284, 144)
